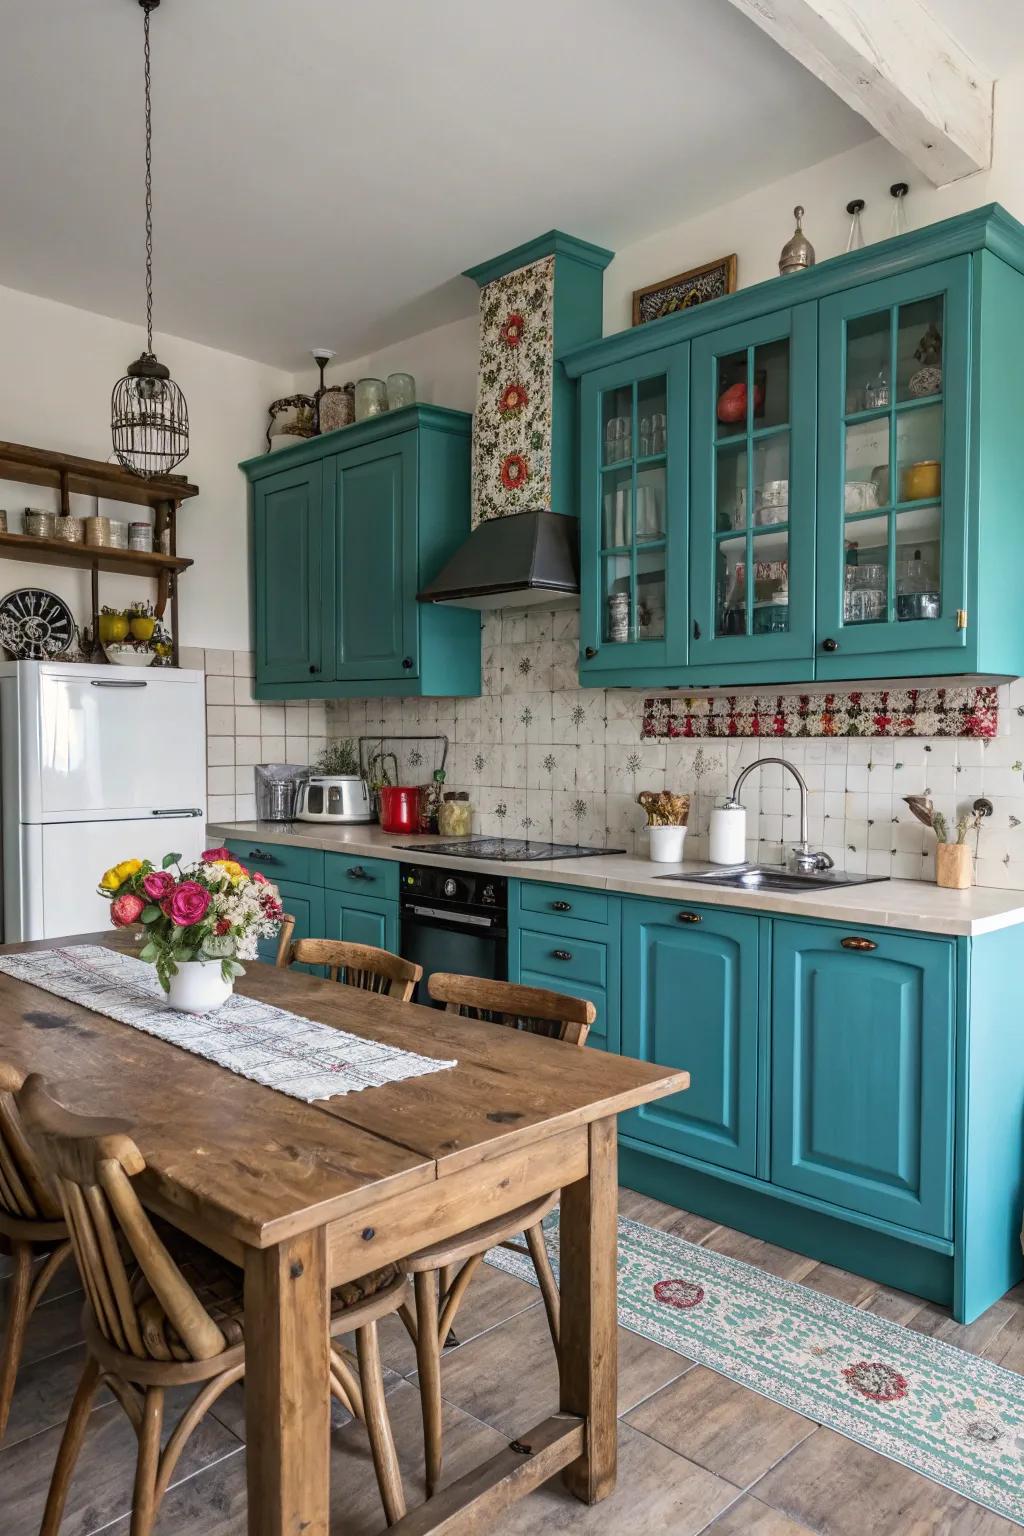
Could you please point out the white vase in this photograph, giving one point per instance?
(667, 844)
(197, 986)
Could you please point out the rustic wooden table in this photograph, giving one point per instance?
(304, 1197)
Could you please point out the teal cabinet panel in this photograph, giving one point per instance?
(279, 861)
(361, 921)
(571, 959)
(893, 428)
(372, 499)
(565, 901)
(752, 491)
(604, 1032)
(306, 904)
(690, 989)
(633, 484)
(292, 628)
(361, 877)
(862, 1071)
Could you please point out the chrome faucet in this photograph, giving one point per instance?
(801, 860)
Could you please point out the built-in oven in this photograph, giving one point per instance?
(452, 920)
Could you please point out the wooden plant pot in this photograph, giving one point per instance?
(953, 867)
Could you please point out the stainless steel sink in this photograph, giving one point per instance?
(768, 877)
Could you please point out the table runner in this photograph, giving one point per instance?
(269, 1045)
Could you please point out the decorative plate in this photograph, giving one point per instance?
(35, 625)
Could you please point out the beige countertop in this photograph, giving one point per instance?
(914, 905)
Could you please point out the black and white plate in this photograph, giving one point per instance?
(35, 625)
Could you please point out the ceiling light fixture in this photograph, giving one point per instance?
(148, 414)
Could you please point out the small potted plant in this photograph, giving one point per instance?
(667, 815)
(141, 618)
(953, 864)
(200, 921)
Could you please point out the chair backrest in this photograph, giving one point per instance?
(92, 1162)
(534, 1010)
(25, 1193)
(357, 965)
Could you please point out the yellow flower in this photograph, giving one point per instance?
(128, 867)
(111, 880)
(232, 868)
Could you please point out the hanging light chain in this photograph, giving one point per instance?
(149, 190)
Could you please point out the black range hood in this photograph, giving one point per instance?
(524, 557)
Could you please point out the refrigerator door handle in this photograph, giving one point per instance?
(182, 810)
(128, 682)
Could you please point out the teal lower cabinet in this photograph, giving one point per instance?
(306, 904)
(690, 985)
(567, 940)
(862, 1072)
(361, 920)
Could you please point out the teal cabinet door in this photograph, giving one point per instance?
(752, 493)
(306, 904)
(689, 984)
(290, 599)
(634, 481)
(362, 920)
(894, 417)
(862, 1054)
(372, 508)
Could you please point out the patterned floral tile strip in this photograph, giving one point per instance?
(965, 712)
(512, 425)
(952, 1416)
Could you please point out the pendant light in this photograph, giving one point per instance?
(148, 414)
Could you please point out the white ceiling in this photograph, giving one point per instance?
(324, 168)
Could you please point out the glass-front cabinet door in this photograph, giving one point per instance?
(752, 499)
(892, 489)
(633, 522)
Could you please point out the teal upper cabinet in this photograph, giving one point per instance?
(850, 508)
(632, 548)
(347, 528)
(862, 1071)
(893, 483)
(752, 499)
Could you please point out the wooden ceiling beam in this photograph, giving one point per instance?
(895, 64)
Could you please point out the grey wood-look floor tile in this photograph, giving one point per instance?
(978, 1338)
(840, 1488)
(655, 1213)
(54, 1326)
(721, 1425)
(42, 1396)
(855, 1290)
(508, 1377)
(749, 1517)
(657, 1494)
(752, 1250)
(102, 1487)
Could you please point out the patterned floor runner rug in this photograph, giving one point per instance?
(948, 1414)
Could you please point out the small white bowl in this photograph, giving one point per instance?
(128, 656)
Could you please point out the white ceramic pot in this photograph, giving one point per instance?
(198, 987)
(667, 844)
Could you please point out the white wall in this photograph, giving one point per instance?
(57, 368)
(443, 362)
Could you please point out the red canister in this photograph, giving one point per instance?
(399, 808)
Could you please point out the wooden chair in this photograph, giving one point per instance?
(31, 1226)
(442, 1272)
(357, 965)
(162, 1312)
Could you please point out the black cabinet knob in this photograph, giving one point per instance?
(688, 917)
(830, 644)
(561, 954)
(407, 663)
(696, 630)
(313, 667)
(590, 652)
(260, 853)
(561, 906)
(357, 872)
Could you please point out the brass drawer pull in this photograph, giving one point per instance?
(688, 917)
(561, 954)
(859, 944)
(561, 906)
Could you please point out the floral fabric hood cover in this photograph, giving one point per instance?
(512, 426)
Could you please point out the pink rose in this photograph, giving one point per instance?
(260, 879)
(125, 910)
(187, 904)
(158, 885)
(215, 853)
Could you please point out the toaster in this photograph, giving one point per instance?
(333, 797)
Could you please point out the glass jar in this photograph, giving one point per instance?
(371, 398)
(401, 390)
(455, 815)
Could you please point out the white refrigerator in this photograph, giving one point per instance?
(97, 764)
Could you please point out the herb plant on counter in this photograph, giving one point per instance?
(214, 910)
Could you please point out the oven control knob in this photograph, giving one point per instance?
(487, 895)
(450, 888)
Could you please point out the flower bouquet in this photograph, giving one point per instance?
(201, 921)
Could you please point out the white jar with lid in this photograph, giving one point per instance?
(727, 841)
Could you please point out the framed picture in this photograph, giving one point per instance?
(685, 290)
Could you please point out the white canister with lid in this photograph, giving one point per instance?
(727, 842)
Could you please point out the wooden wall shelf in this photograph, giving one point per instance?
(89, 477)
(124, 562)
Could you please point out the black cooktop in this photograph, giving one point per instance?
(505, 848)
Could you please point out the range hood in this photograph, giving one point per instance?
(521, 558)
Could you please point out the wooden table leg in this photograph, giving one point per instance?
(589, 1339)
(287, 1374)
